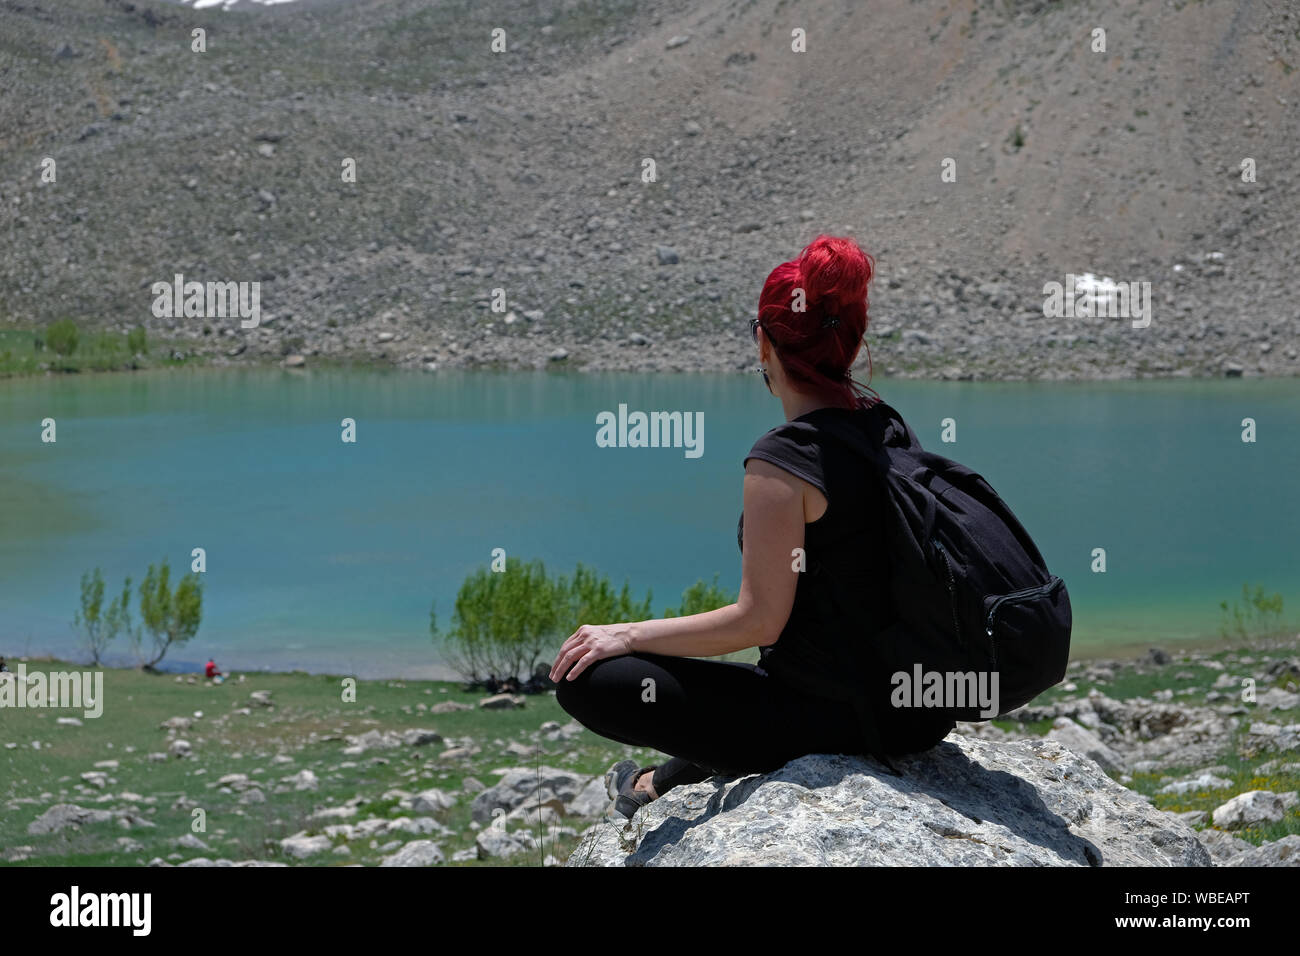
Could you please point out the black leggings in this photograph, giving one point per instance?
(713, 717)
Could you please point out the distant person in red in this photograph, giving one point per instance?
(211, 670)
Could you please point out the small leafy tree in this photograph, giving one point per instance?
(701, 597)
(117, 620)
(590, 599)
(101, 626)
(88, 617)
(507, 623)
(171, 618)
(62, 336)
(136, 341)
(1257, 613)
(500, 619)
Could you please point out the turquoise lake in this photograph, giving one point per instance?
(326, 556)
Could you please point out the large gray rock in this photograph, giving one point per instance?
(966, 802)
(67, 815)
(1262, 736)
(1084, 741)
(1283, 852)
(1252, 808)
(418, 825)
(552, 731)
(300, 846)
(502, 702)
(416, 853)
(495, 843)
(203, 861)
(593, 801)
(533, 813)
(533, 785)
(303, 780)
(358, 744)
(1223, 847)
(449, 707)
(667, 255)
(432, 800)
(1275, 698)
(1142, 732)
(1191, 784)
(419, 737)
(237, 782)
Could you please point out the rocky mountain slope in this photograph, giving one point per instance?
(523, 171)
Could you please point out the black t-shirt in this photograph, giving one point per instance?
(843, 596)
(845, 548)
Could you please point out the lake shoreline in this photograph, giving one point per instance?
(1091, 653)
(696, 355)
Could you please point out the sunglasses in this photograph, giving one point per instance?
(829, 323)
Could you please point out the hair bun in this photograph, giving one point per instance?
(834, 273)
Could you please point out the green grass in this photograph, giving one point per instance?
(1128, 683)
(23, 352)
(307, 723)
(1242, 763)
(1037, 727)
(1244, 778)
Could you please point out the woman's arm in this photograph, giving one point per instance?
(774, 527)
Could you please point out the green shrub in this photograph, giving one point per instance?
(701, 597)
(1257, 614)
(137, 342)
(62, 336)
(101, 626)
(587, 598)
(170, 617)
(502, 621)
(507, 623)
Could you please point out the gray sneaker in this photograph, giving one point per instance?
(620, 781)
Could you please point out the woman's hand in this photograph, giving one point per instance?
(588, 644)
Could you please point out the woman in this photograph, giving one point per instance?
(805, 495)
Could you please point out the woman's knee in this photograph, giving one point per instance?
(566, 694)
(575, 696)
(593, 692)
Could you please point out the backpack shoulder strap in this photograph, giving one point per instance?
(880, 429)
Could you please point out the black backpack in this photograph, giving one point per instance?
(971, 591)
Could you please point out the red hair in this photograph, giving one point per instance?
(818, 342)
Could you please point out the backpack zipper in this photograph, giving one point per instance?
(952, 590)
(1038, 590)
